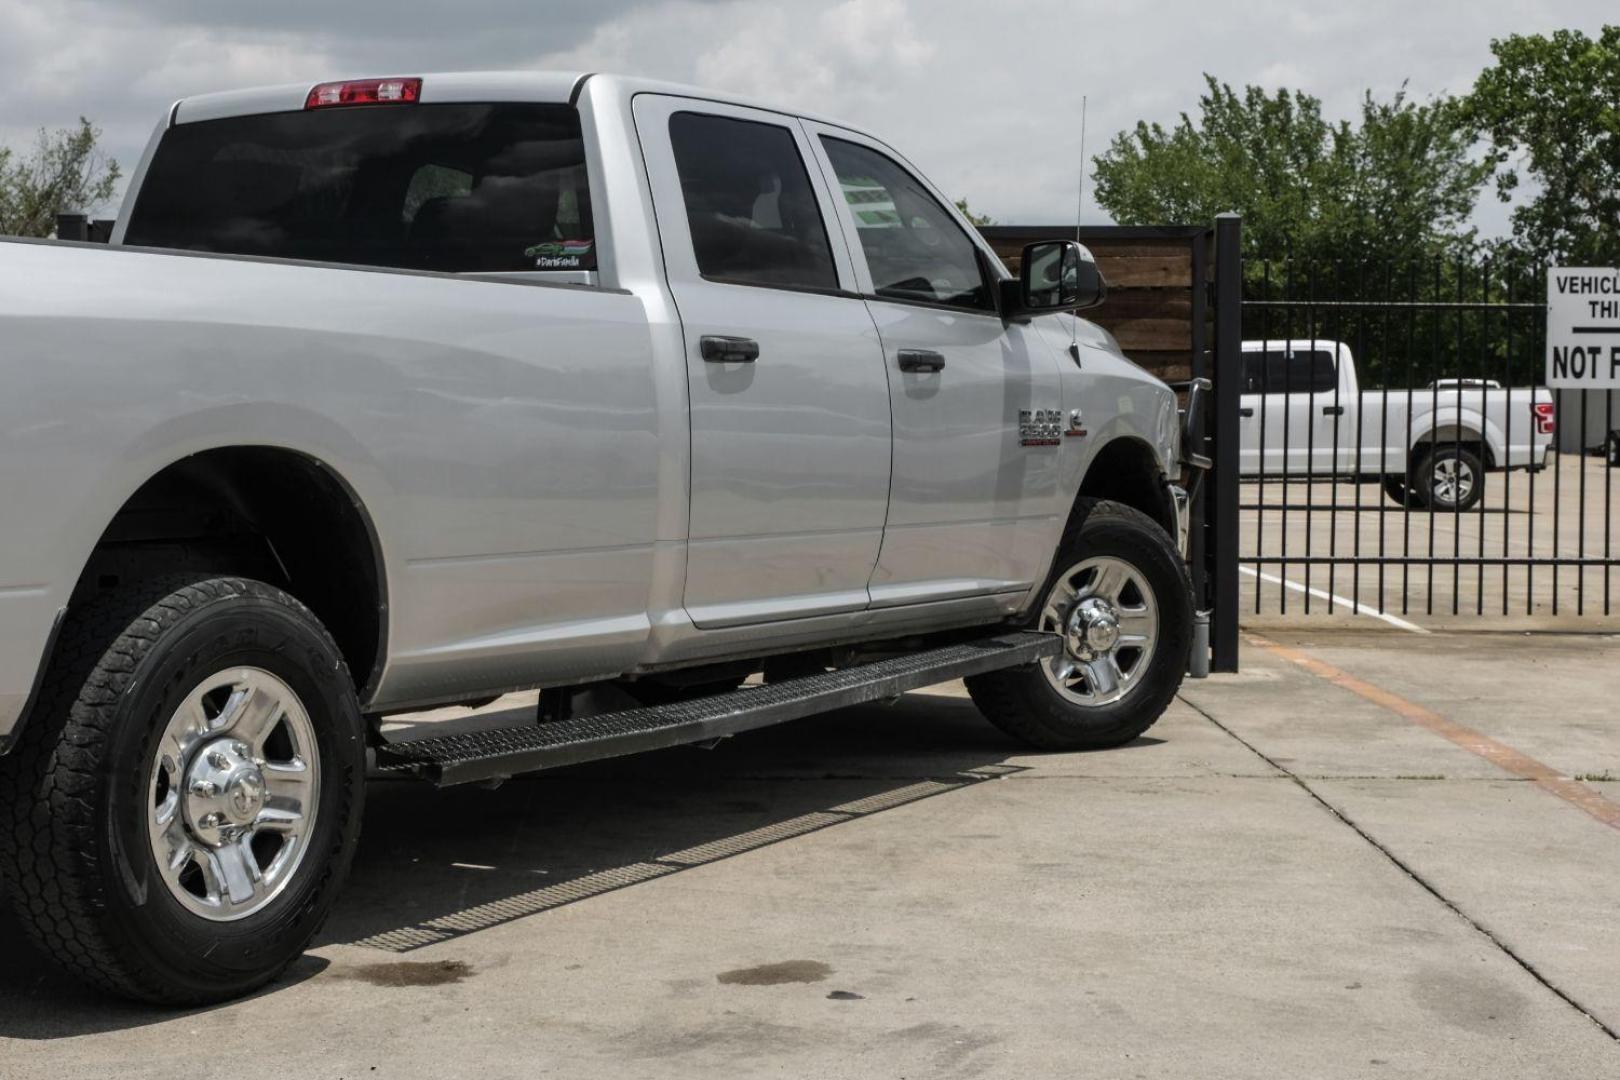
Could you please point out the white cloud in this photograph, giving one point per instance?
(821, 59)
(201, 59)
(877, 32)
(122, 71)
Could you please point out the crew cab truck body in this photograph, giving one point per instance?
(1303, 414)
(396, 393)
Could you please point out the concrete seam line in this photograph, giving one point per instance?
(1581, 796)
(1418, 879)
(1356, 607)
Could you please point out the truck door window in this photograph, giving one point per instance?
(914, 248)
(749, 203)
(1316, 371)
(1292, 372)
(448, 187)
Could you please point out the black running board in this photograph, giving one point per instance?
(504, 752)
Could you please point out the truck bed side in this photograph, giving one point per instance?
(511, 471)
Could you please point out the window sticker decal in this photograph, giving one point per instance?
(559, 254)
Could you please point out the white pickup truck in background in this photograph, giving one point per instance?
(1303, 414)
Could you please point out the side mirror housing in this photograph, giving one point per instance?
(1054, 275)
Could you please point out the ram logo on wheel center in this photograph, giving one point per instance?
(1583, 327)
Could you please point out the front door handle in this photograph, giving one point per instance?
(1333, 410)
(1246, 412)
(724, 349)
(926, 360)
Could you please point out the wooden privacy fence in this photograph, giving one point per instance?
(1152, 307)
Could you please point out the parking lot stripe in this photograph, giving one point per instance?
(1503, 756)
(1355, 607)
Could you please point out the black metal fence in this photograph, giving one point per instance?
(1384, 444)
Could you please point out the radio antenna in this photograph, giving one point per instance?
(1079, 220)
(1080, 210)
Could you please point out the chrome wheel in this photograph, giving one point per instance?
(1453, 481)
(1105, 610)
(235, 782)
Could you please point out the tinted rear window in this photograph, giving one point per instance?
(426, 187)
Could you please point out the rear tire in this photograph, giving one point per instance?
(1451, 478)
(170, 705)
(1038, 703)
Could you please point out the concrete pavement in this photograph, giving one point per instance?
(1283, 879)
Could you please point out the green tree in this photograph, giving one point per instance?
(1401, 182)
(1550, 110)
(66, 172)
(976, 219)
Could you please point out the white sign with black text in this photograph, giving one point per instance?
(1583, 327)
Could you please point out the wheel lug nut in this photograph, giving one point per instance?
(219, 760)
(212, 821)
(205, 789)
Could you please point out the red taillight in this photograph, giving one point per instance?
(1545, 423)
(364, 92)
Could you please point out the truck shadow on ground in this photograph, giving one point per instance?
(438, 864)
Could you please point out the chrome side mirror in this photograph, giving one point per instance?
(1054, 275)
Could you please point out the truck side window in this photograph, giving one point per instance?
(1295, 372)
(914, 248)
(1314, 371)
(449, 187)
(749, 203)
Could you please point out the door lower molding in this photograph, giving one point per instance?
(775, 609)
(924, 592)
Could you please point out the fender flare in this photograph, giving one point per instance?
(1472, 423)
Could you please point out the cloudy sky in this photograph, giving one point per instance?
(985, 97)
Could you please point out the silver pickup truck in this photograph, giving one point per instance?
(692, 413)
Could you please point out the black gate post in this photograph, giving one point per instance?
(1223, 499)
(1198, 368)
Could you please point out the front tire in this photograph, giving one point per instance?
(1396, 490)
(183, 805)
(1120, 595)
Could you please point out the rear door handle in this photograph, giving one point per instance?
(1245, 412)
(1333, 410)
(724, 349)
(920, 360)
